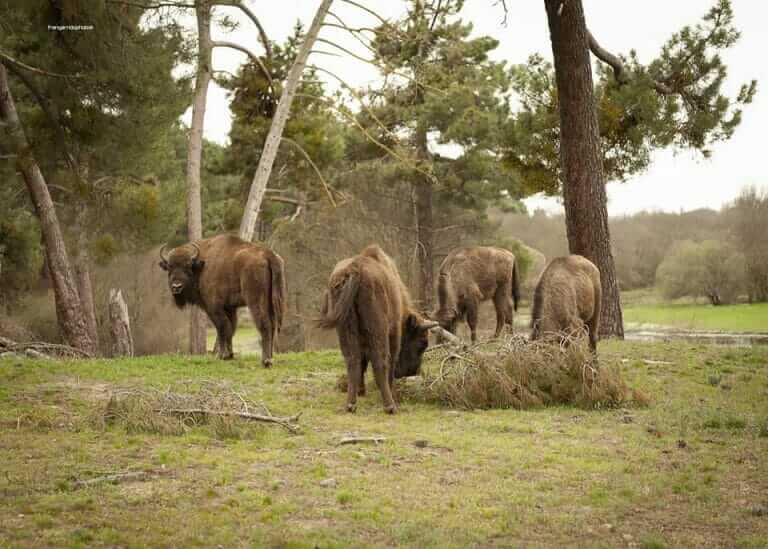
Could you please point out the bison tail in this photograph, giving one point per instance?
(339, 302)
(278, 290)
(515, 284)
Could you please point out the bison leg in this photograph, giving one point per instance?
(350, 348)
(363, 368)
(472, 319)
(381, 369)
(260, 310)
(223, 325)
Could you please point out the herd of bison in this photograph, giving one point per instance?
(370, 306)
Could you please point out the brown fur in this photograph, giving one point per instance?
(371, 309)
(567, 299)
(230, 273)
(469, 276)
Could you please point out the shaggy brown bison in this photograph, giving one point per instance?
(471, 275)
(371, 309)
(221, 274)
(567, 299)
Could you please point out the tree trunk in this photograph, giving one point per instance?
(197, 322)
(425, 243)
(83, 270)
(269, 152)
(119, 324)
(69, 311)
(584, 197)
(424, 221)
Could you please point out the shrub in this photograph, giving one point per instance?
(515, 373)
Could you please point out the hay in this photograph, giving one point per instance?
(216, 406)
(514, 373)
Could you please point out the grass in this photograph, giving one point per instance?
(727, 318)
(684, 471)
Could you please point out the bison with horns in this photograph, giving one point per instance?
(223, 273)
(567, 299)
(371, 309)
(474, 274)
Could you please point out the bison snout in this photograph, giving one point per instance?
(177, 287)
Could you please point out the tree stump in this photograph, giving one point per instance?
(119, 324)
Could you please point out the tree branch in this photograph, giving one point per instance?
(247, 11)
(314, 166)
(376, 15)
(253, 56)
(154, 6)
(9, 62)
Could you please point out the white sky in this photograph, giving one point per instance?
(674, 182)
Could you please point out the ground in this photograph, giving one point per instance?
(689, 470)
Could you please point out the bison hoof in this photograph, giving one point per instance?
(391, 409)
(351, 408)
(226, 357)
(267, 363)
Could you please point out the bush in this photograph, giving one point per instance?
(515, 373)
(710, 269)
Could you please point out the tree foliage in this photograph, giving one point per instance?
(675, 101)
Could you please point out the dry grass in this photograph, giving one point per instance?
(514, 373)
(226, 412)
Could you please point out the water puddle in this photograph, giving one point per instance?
(710, 338)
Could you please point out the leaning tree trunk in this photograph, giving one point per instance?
(69, 310)
(269, 152)
(584, 197)
(197, 323)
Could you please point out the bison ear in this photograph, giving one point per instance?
(197, 265)
(163, 265)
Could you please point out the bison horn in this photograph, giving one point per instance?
(162, 253)
(197, 250)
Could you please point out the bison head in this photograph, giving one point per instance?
(183, 266)
(414, 342)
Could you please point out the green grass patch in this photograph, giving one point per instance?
(727, 318)
(551, 476)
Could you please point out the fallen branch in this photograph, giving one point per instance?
(41, 349)
(656, 362)
(361, 440)
(288, 423)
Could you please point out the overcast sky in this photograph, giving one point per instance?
(674, 182)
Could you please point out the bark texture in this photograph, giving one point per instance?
(272, 143)
(69, 310)
(83, 268)
(425, 239)
(119, 324)
(197, 322)
(584, 196)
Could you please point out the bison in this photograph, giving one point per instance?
(371, 309)
(223, 273)
(567, 299)
(471, 275)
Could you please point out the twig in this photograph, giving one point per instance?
(314, 166)
(286, 422)
(361, 440)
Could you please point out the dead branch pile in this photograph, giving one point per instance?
(515, 373)
(41, 349)
(218, 406)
